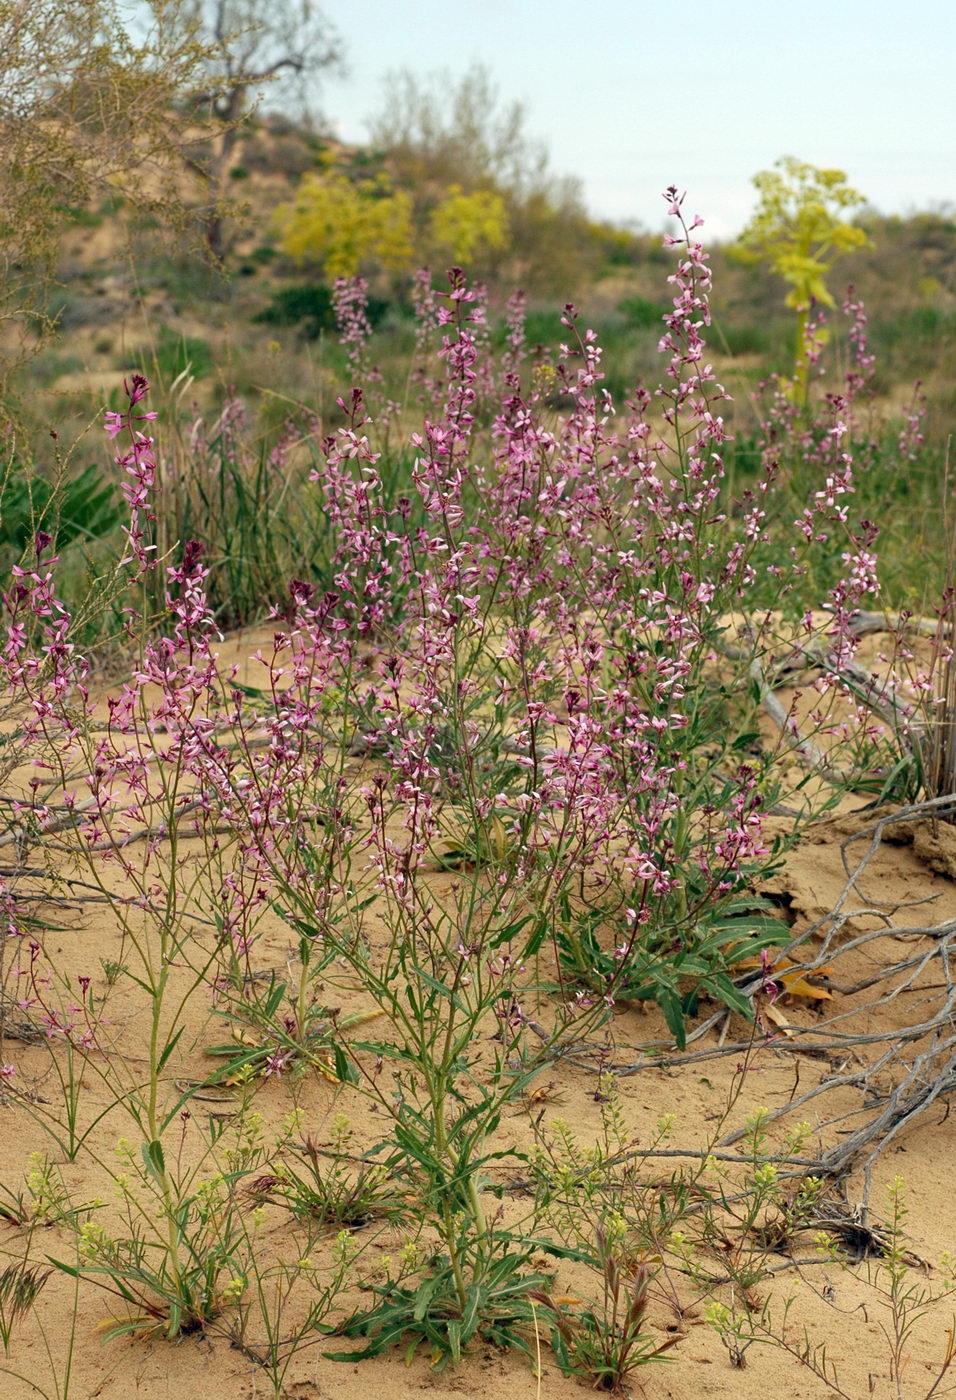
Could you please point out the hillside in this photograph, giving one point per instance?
(127, 297)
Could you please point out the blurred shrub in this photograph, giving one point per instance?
(308, 305)
(175, 354)
(640, 314)
(465, 225)
(344, 225)
(743, 338)
(544, 328)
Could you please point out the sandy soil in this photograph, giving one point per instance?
(909, 883)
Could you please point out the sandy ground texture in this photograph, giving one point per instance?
(874, 895)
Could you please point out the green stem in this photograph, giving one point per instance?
(801, 374)
(152, 1122)
(441, 1146)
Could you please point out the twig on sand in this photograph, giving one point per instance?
(905, 1062)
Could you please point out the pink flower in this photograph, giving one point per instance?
(275, 1064)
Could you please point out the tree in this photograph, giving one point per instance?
(463, 226)
(344, 224)
(87, 112)
(352, 225)
(249, 46)
(799, 229)
(436, 134)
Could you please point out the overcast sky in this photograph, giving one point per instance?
(631, 95)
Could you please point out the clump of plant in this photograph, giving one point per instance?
(496, 771)
(328, 1187)
(607, 1341)
(741, 1220)
(902, 1300)
(286, 1305)
(443, 1312)
(185, 1275)
(20, 1286)
(281, 1029)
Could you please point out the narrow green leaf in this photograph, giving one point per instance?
(169, 1048)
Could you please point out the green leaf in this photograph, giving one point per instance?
(559, 1251)
(509, 933)
(175, 1319)
(154, 1159)
(123, 1329)
(731, 996)
(455, 1330)
(437, 986)
(170, 1047)
(673, 1009)
(423, 1297)
(345, 1070)
(469, 1319)
(253, 692)
(538, 935)
(70, 1269)
(384, 1048)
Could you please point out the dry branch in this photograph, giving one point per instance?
(920, 1080)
